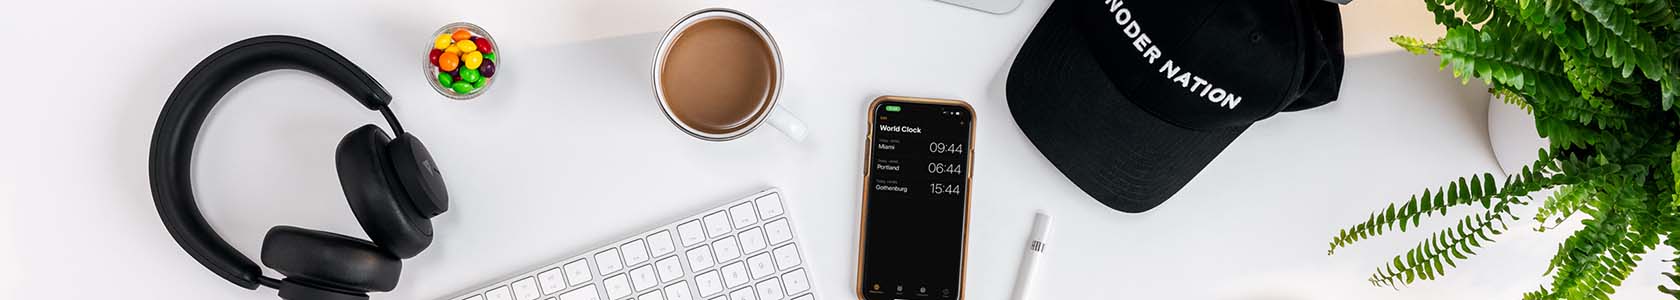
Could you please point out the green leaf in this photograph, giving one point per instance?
(1475, 187)
(1411, 44)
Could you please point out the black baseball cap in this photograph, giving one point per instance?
(1131, 99)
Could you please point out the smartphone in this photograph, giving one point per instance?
(913, 235)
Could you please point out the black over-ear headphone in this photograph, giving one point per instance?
(393, 186)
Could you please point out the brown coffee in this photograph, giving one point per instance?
(718, 76)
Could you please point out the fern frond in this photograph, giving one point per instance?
(1565, 202)
(1474, 190)
(1591, 263)
(1627, 46)
(1673, 242)
(1591, 112)
(1658, 13)
(1671, 292)
(1674, 168)
(1587, 75)
(1411, 44)
(1443, 14)
(1425, 261)
(1512, 98)
(1619, 22)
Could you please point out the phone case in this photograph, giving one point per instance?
(968, 180)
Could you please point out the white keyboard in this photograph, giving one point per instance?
(741, 250)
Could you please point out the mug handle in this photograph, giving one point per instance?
(787, 123)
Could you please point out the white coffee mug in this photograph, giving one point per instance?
(773, 113)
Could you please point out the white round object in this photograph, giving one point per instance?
(1512, 135)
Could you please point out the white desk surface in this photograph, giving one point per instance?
(569, 151)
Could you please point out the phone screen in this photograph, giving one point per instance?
(916, 201)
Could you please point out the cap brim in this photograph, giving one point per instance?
(1123, 156)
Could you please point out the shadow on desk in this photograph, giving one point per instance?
(557, 80)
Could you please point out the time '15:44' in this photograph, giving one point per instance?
(945, 189)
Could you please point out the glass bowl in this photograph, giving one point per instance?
(431, 71)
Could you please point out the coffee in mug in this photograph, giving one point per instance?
(717, 75)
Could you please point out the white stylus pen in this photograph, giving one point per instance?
(1029, 261)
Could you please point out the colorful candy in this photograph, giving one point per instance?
(470, 75)
(443, 41)
(462, 87)
(484, 45)
(464, 62)
(466, 46)
(488, 69)
(461, 34)
(448, 62)
(472, 59)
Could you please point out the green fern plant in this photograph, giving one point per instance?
(1601, 78)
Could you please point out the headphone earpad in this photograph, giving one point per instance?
(331, 260)
(380, 203)
(418, 174)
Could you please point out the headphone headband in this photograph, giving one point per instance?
(184, 113)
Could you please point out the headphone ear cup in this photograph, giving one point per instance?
(418, 174)
(330, 260)
(380, 203)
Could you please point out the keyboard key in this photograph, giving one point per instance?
(769, 289)
(734, 274)
(726, 249)
(577, 272)
(717, 224)
(700, 258)
(644, 278)
(635, 252)
(652, 295)
(787, 256)
(708, 283)
(743, 294)
(743, 215)
(761, 265)
(499, 293)
(550, 281)
(660, 243)
(669, 269)
(617, 286)
(606, 262)
(796, 281)
(588, 292)
(752, 240)
(769, 205)
(691, 233)
(778, 231)
(474, 297)
(678, 291)
(526, 289)
(805, 297)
